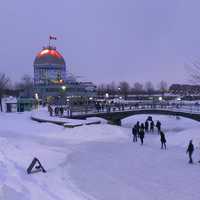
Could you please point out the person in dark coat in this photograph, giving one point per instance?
(146, 126)
(141, 135)
(50, 109)
(158, 125)
(190, 150)
(134, 132)
(163, 140)
(137, 126)
(61, 111)
(142, 126)
(152, 126)
(56, 111)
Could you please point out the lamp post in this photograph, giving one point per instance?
(63, 89)
(107, 95)
(37, 100)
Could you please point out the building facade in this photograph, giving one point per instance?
(51, 78)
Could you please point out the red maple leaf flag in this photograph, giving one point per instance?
(52, 37)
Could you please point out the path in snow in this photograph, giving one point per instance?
(123, 170)
(129, 171)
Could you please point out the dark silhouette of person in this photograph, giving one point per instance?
(158, 125)
(134, 132)
(152, 126)
(163, 140)
(141, 135)
(137, 126)
(50, 109)
(190, 150)
(61, 111)
(56, 111)
(149, 118)
(146, 126)
(142, 126)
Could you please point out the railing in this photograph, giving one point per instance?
(191, 108)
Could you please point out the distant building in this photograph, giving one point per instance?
(51, 78)
(49, 67)
(184, 89)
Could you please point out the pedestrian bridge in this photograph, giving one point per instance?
(115, 117)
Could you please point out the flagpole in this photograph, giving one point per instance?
(49, 41)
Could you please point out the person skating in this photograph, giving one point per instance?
(163, 140)
(134, 132)
(141, 135)
(152, 126)
(137, 126)
(146, 126)
(190, 150)
(142, 126)
(158, 125)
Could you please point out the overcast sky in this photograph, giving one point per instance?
(103, 40)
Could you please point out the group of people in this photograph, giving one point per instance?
(139, 130)
(56, 111)
(109, 107)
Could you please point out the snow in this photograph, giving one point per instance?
(42, 114)
(97, 162)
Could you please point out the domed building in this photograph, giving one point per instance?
(51, 79)
(49, 67)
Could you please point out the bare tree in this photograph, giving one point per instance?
(149, 87)
(137, 87)
(193, 70)
(124, 88)
(4, 82)
(113, 88)
(162, 86)
(101, 89)
(26, 85)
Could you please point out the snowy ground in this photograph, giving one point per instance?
(98, 161)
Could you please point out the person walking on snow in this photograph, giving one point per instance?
(158, 125)
(152, 126)
(142, 126)
(146, 124)
(134, 132)
(141, 135)
(163, 140)
(190, 150)
(137, 126)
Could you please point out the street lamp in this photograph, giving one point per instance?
(63, 88)
(37, 100)
(107, 95)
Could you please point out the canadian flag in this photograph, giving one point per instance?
(52, 37)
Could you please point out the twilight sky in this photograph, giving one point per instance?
(103, 40)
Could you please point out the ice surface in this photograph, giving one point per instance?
(97, 161)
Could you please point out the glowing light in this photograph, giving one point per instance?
(36, 96)
(160, 98)
(63, 87)
(46, 51)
